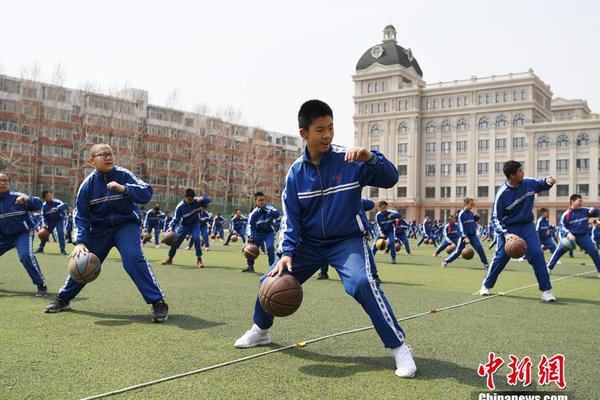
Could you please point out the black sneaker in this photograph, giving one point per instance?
(42, 291)
(64, 253)
(249, 269)
(58, 305)
(376, 278)
(322, 276)
(160, 311)
(39, 251)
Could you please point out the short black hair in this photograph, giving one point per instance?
(258, 194)
(543, 210)
(511, 167)
(45, 192)
(189, 192)
(156, 207)
(382, 203)
(311, 110)
(467, 200)
(237, 209)
(574, 197)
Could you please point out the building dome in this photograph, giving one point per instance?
(388, 52)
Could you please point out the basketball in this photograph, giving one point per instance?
(169, 238)
(44, 234)
(450, 248)
(213, 236)
(217, 236)
(147, 236)
(251, 251)
(568, 243)
(467, 253)
(84, 268)
(398, 247)
(280, 296)
(380, 244)
(515, 247)
(234, 238)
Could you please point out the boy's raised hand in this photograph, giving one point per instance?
(284, 263)
(21, 200)
(354, 154)
(115, 186)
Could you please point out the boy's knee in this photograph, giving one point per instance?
(358, 285)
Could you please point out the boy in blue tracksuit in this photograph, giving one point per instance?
(402, 228)
(153, 222)
(218, 226)
(467, 227)
(427, 231)
(574, 226)
(106, 215)
(186, 221)
(595, 236)
(542, 227)
(237, 225)
(325, 224)
(512, 215)
(17, 230)
(260, 228)
(69, 225)
(205, 220)
(167, 221)
(53, 217)
(450, 234)
(385, 219)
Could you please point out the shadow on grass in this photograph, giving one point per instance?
(186, 322)
(428, 369)
(560, 300)
(14, 293)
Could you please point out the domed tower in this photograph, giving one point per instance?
(387, 97)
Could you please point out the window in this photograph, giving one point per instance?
(484, 123)
(375, 147)
(483, 215)
(583, 139)
(519, 120)
(518, 143)
(375, 131)
(401, 191)
(562, 190)
(430, 127)
(445, 192)
(461, 169)
(482, 191)
(402, 128)
(430, 192)
(430, 213)
(444, 214)
(500, 144)
(499, 168)
(445, 169)
(583, 164)
(482, 168)
(430, 170)
(523, 94)
(501, 121)
(402, 170)
(446, 147)
(544, 193)
(402, 148)
(430, 149)
(461, 192)
(583, 189)
(374, 192)
(446, 126)
(562, 141)
(483, 145)
(462, 124)
(461, 146)
(543, 166)
(543, 142)
(562, 166)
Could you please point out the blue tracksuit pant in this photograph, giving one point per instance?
(534, 256)
(181, 232)
(428, 235)
(585, 243)
(353, 262)
(494, 241)
(404, 241)
(391, 243)
(219, 230)
(461, 245)
(268, 240)
(204, 234)
(240, 233)
(24, 244)
(60, 231)
(548, 244)
(126, 238)
(156, 229)
(442, 246)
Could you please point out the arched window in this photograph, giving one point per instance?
(402, 128)
(462, 124)
(543, 142)
(518, 120)
(375, 130)
(446, 126)
(484, 123)
(562, 141)
(583, 139)
(430, 127)
(500, 121)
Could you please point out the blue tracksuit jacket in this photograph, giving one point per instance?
(385, 220)
(51, 218)
(188, 214)
(15, 218)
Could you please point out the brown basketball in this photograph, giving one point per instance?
(427, 241)
(381, 244)
(217, 236)
(251, 251)
(450, 248)
(43, 234)
(147, 236)
(515, 247)
(213, 236)
(280, 296)
(398, 247)
(234, 238)
(84, 268)
(467, 253)
(169, 238)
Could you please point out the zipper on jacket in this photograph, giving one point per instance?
(322, 201)
(109, 203)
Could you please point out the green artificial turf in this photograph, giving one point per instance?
(108, 342)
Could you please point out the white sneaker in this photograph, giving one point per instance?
(405, 365)
(254, 337)
(548, 296)
(549, 271)
(484, 291)
(559, 262)
(444, 264)
(598, 275)
(521, 259)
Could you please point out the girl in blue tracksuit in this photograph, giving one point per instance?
(326, 224)
(53, 217)
(574, 225)
(17, 229)
(451, 235)
(467, 227)
(106, 215)
(427, 231)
